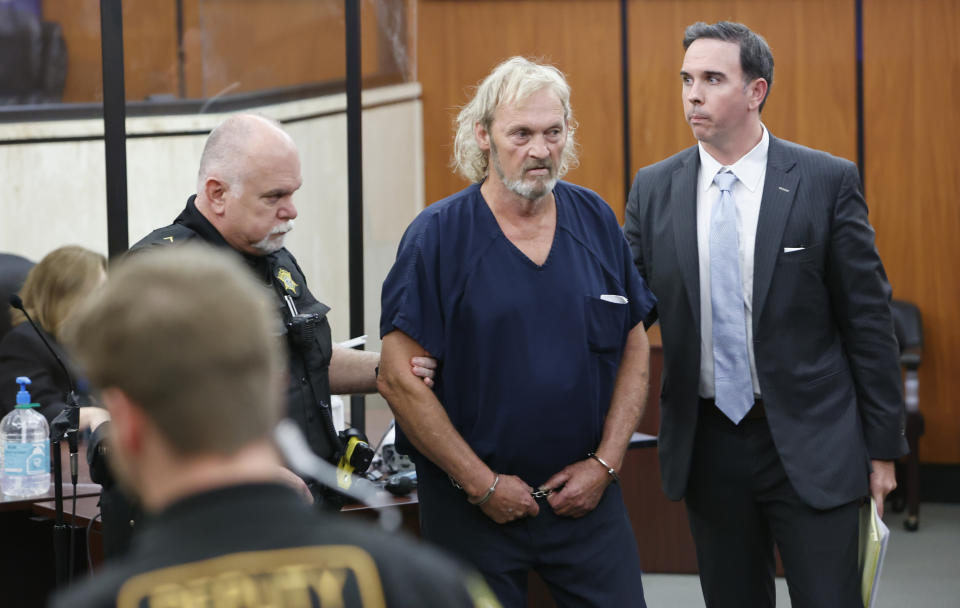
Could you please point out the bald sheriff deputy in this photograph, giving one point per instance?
(249, 173)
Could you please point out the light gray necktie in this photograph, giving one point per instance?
(731, 367)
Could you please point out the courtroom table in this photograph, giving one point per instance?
(27, 566)
(659, 525)
(11, 503)
(408, 506)
(88, 508)
(645, 503)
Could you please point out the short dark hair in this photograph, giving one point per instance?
(756, 58)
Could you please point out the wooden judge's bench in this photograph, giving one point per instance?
(659, 525)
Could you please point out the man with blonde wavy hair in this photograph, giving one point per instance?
(522, 287)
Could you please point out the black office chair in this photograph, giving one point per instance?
(13, 272)
(908, 325)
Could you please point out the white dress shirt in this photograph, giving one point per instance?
(750, 169)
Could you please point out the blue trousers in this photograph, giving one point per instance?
(587, 561)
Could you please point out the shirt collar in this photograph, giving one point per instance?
(749, 169)
(194, 220)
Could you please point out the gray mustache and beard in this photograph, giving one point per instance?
(530, 190)
(274, 240)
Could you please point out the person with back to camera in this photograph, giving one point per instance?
(195, 388)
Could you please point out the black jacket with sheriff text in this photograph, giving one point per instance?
(260, 545)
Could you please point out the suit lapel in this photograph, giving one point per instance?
(683, 206)
(779, 190)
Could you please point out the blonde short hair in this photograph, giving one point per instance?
(57, 284)
(516, 79)
(193, 340)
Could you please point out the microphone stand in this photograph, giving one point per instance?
(63, 537)
(62, 533)
(73, 431)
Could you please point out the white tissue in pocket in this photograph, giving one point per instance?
(607, 297)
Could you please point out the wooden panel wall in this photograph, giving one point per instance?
(150, 47)
(813, 98)
(911, 63)
(229, 46)
(911, 83)
(261, 44)
(461, 41)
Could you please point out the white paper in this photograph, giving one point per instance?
(608, 297)
(874, 536)
(358, 341)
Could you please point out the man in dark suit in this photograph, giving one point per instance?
(780, 405)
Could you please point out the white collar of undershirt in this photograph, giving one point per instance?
(749, 169)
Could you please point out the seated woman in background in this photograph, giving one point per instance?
(52, 290)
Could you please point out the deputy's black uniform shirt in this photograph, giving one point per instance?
(261, 545)
(308, 396)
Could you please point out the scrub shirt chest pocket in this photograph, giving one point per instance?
(606, 319)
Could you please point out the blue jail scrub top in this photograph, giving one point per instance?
(528, 354)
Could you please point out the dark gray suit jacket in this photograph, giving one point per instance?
(822, 329)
